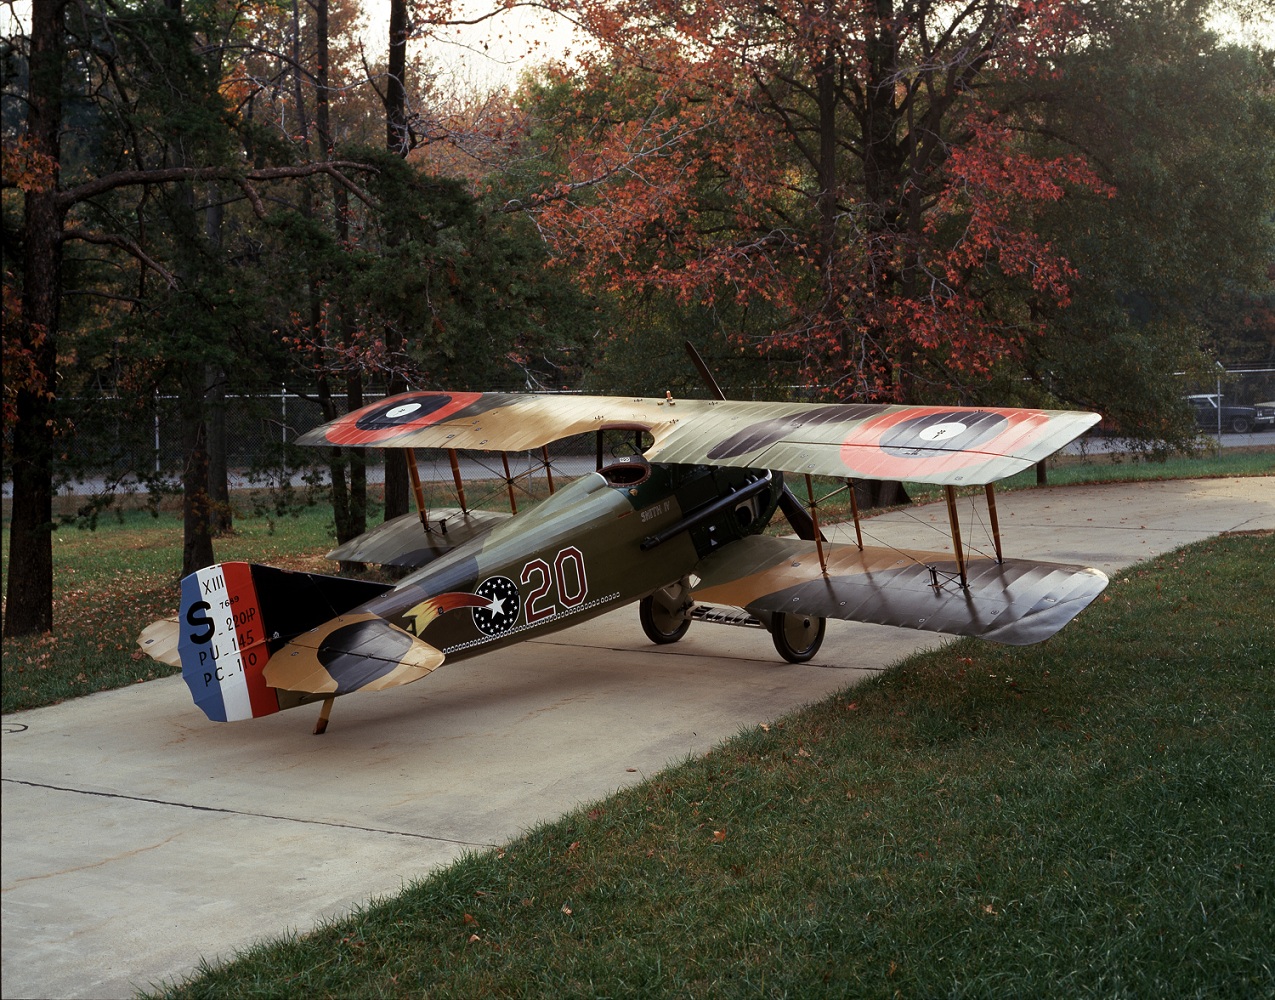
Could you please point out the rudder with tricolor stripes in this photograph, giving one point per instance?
(222, 644)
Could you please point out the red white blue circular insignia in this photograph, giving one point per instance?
(895, 445)
(397, 415)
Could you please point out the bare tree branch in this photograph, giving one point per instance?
(166, 175)
(125, 244)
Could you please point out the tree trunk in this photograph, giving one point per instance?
(869, 493)
(30, 583)
(396, 459)
(397, 140)
(197, 545)
(397, 134)
(223, 522)
(358, 461)
(348, 496)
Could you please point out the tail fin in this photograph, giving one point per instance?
(233, 615)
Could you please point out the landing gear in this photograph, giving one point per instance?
(797, 637)
(661, 625)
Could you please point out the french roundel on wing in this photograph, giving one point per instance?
(386, 420)
(900, 444)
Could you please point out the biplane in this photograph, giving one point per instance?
(675, 525)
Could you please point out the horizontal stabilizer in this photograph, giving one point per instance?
(1016, 601)
(159, 641)
(358, 652)
(404, 542)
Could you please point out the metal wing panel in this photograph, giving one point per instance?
(1015, 602)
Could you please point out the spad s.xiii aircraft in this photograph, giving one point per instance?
(676, 526)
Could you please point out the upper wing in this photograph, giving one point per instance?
(1016, 601)
(931, 444)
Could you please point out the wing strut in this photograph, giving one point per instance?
(996, 525)
(321, 724)
(813, 508)
(548, 468)
(415, 474)
(950, 493)
(509, 483)
(854, 512)
(456, 478)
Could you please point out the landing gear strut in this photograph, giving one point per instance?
(661, 625)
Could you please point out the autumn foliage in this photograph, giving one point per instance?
(858, 172)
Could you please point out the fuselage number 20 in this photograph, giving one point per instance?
(566, 579)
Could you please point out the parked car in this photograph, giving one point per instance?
(1241, 419)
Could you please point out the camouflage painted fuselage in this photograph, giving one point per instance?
(585, 550)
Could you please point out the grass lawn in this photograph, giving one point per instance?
(1092, 816)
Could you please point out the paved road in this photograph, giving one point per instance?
(1094, 444)
(138, 837)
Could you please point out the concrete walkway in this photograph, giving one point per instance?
(138, 837)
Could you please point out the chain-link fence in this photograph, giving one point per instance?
(136, 444)
(121, 441)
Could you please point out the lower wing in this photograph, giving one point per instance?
(1016, 601)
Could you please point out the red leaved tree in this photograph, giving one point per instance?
(855, 168)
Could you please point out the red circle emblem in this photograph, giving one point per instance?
(912, 440)
(397, 415)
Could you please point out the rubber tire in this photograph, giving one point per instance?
(655, 620)
(797, 637)
(1240, 425)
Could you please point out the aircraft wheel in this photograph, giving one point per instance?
(661, 625)
(797, 636)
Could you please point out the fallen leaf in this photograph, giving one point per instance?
(566, 909)
(719, 836)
